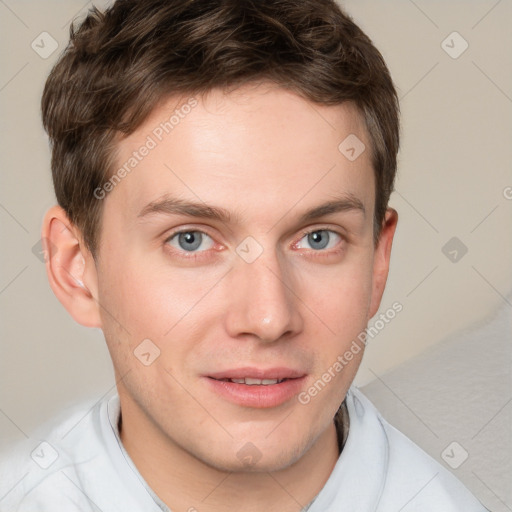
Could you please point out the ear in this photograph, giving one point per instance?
(381, 259)
(71, 268)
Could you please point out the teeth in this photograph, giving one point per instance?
(256, 382)
(252, 382)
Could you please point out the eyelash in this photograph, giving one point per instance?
(190, 255)
(203, 254)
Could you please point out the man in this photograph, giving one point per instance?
(223, 171)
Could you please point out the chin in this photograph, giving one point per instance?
(277, 462)
(258, 456)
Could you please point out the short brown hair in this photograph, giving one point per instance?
(121, 62)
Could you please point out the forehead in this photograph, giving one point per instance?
(249, 150)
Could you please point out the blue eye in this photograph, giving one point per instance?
(321, 239)
(190, 240)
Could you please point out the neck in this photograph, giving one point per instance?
(185, 483)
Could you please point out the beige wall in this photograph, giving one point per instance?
(455, 167)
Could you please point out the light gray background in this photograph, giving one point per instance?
(451, 343)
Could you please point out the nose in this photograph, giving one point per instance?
(262, 301)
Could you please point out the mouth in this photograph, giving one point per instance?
(249, 381)
(257, 388)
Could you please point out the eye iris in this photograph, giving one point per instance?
(318, 239)
(190, 240)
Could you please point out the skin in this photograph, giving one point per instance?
(265, 155)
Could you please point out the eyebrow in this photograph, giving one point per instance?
(345, 203)
(175, 206)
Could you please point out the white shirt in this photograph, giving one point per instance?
(81, 465)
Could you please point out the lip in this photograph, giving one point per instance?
(257, 396)
(280, 372)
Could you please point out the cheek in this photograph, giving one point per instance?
(340, 296)
(152, 299)
(341, 302)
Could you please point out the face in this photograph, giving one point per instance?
(236, 263)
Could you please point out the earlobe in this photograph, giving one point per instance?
(70, 268)
(381, 259)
